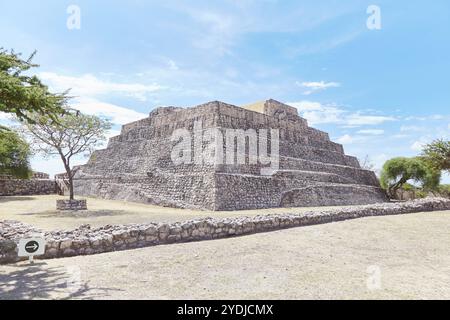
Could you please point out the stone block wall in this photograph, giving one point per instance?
(24, 187)
(72, 205)
(86, 241)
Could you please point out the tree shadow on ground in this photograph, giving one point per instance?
(4, 199)
(38, 281)
(78, 214)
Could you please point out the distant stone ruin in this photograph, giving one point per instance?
(39, 184)
(305, 167)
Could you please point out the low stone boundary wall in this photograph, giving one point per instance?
(24, 187)
(85, 241)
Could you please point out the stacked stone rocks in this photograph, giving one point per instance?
(10, 234)
(71, 205)
(26, 187)
(86, 241)
(314, 171)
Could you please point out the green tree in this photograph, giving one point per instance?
(398, 171)
(22, 93)
(438, 154)
(74, 134)
(14, 155)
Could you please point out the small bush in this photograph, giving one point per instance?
(420, 194)
(444, 190)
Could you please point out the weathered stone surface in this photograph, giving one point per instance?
(71, 205)
(313, 171)
(24, 187)
(84, 240)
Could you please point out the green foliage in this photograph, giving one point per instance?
(21, 93)
(408, 187)
(14, 155)
(420, 194)
(398, 171)
(438, 154)
(73, 134)
(444, 190)
(432, 177)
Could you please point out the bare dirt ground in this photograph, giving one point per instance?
(400, 257)
(41, 212)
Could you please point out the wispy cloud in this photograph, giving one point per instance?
(348, 139)
(418, 145)
(88, 85)
(345, 139)
(313, 87)
(219, 29)
(412, 128)
(118, 115)
(4, 116)
(359, 119)
(6, 119)
(425, 118)
(374, 132)
(220, 26)
(318, 113)
(323, 46)
(172, 65)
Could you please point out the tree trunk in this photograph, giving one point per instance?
(392, 190)
(69, 174)
(71, 196)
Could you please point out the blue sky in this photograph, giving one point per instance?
(381, 93)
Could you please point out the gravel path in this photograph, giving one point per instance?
(410, 253)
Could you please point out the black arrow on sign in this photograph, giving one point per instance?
(31, 246)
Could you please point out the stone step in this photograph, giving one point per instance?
(358, 175)
(315, 176)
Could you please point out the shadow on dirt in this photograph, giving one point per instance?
(38, 281)
(77, 214)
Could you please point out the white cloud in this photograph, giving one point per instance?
(6, 119)
(313, 87)
(375, 132)
(379, 161)
(324, 45)
(345, 139)
(117, 115)
(348, 139)
(172, 65)
(218, 26)
(112, 133)
(425, 118)
(218, 32)
(412, 129)
(418, 145)
(4, 116)
(88, 85)
(317, 113)
(359, 119)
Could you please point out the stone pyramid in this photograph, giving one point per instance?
(139, 165)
